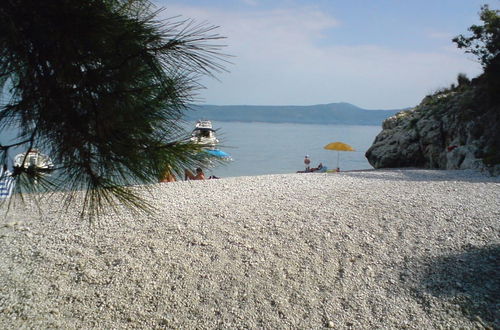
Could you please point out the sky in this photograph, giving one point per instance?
(376, 54)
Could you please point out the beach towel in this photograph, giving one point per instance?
(6, 184)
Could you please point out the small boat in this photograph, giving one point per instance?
(33, 159)
(204, 134)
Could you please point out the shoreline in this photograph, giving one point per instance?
(357, 249)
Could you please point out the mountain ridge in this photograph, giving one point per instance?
(330, 113)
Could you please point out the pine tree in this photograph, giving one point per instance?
(484, 42)
(101, 86)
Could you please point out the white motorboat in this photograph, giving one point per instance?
(204, 134)
(33, 159)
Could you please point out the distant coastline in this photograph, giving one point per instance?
(332, 113)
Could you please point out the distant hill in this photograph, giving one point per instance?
(333, 113)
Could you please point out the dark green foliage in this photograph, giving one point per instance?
(485, 40)
(413, 123)
(492, 156)
(463, 80)
(467, 114)
(484, 43)
(100, 86)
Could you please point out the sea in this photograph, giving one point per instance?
(279, 148)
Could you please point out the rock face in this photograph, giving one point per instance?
(452, 129)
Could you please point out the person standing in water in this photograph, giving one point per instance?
(307, 161)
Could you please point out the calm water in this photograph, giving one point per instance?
(264, 148)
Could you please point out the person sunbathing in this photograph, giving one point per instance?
(319, 168)
(188, 175)
(167, 175)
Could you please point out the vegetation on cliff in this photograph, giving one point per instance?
(456, 127)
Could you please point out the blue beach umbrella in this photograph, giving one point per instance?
(218, 153)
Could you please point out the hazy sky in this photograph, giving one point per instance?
(376, 54)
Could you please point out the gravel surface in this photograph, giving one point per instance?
(372, 249)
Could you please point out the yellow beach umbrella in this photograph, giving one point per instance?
(338, 146)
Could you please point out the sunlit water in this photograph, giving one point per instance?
(264, 148)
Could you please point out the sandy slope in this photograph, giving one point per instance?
(391, 249)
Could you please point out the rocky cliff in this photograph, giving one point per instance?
(456, 128)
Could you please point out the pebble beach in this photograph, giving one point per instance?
(417, 249)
